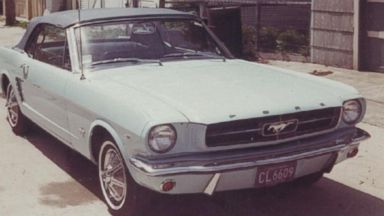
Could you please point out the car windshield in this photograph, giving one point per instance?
(145, 41)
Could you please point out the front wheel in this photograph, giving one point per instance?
(18, 122)
(120, 191)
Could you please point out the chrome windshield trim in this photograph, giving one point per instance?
(73, 50)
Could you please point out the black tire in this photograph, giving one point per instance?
(121, 193)
(18, 122)
(309, 180)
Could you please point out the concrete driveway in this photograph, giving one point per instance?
(41, 176)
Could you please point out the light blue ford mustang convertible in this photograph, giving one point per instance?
(156, 101)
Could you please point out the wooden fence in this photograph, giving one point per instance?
(333, 32)
(21, 9)
(26, 9)
(37, 9)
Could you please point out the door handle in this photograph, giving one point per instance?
(25, 70)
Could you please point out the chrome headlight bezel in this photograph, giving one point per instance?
(166, 132)
(352, 111)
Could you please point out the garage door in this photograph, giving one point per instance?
(226, 24)
(372, 43)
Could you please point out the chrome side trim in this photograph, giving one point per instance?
(198, 167)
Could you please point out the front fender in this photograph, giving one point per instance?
(113, 132)
(4, 74)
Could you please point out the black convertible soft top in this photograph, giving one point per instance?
(68, 18)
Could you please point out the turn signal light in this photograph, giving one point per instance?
(167, 185)
(353, 152)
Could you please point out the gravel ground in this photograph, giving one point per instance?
(10, 36)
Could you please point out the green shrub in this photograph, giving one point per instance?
(22, 24)
(291, 41)
(305, 51)
(272, 39)
(249, 38)
(268, 38)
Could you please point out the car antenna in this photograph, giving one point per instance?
(82, 77)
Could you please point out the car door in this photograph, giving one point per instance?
(45, 75)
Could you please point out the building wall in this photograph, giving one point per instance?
(281, 16)
(103, 3)
(372, 36)
(37, 8)
(27, 9)
(249, 16)
(55, 5)
(286, 16)
(333, 32)
(90, 3)
(115, 3)
(1, 7)
(21, 9)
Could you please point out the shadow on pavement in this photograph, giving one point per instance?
(78, 167)
(327, 197)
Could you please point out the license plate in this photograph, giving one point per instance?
(275, 174)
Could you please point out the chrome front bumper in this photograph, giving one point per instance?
(336, 146)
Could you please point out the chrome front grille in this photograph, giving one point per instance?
(254, 130)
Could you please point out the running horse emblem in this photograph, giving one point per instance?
(277, 128)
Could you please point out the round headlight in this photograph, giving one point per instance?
(162, 138)
(351, 111)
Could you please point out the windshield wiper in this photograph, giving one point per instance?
(133, 60)
(191, 54)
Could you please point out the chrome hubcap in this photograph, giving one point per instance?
(12, 107)
(112, 176)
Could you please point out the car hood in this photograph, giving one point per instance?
(208, 91)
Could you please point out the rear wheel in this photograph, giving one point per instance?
(18, 122)
(120, 191)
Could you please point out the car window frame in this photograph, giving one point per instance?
(33, 40)
(77, 50)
